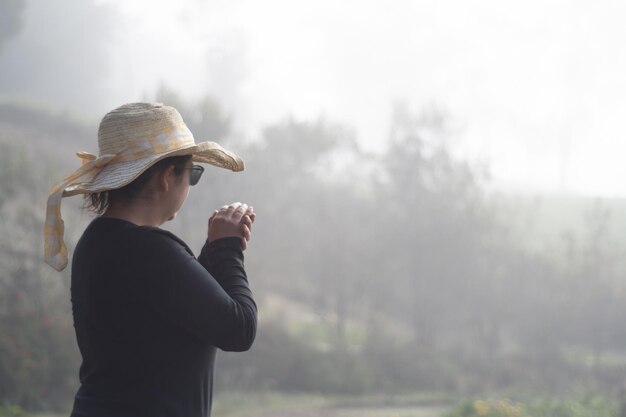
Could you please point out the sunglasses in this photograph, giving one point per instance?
(195, 174)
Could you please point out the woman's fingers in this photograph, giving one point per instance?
(246, 233)
(247, 221)
(232, 220)
(245, 238)
(250, 214)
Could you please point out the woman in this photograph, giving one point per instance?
(148, 315)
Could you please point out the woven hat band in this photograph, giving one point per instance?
(153, 143)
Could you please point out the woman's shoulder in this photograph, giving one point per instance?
(160, 236)
(126, 233)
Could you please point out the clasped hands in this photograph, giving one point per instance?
(234, 220)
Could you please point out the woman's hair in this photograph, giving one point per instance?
(99, 202)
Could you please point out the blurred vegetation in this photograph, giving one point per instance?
(375, 274)
(589, 407)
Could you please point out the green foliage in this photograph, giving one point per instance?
(38, 356)
(284, 362)
(11, 410)
(591, 407)
(35, 360)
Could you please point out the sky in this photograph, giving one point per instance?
(535, 89)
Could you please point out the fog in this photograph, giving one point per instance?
(438, 185)
(535, 88)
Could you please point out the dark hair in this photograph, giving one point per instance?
(99, 202)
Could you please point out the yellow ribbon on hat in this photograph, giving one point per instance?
(55, 250)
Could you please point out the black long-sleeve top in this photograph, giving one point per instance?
(149, 316)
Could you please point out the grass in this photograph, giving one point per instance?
(273, 404)
(310, 405)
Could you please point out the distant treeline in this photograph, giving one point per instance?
(391, 272)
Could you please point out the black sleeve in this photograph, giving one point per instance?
(216, 306)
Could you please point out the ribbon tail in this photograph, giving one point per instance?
(55, 251)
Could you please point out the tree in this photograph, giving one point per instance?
(38, 355)
(11, 12)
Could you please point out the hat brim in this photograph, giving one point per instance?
(118, 174)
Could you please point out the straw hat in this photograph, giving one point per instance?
(131, 138)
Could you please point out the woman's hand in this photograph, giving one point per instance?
(234, 220)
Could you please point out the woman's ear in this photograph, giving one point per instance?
(165, 178)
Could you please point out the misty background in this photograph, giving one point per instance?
(438, 185)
